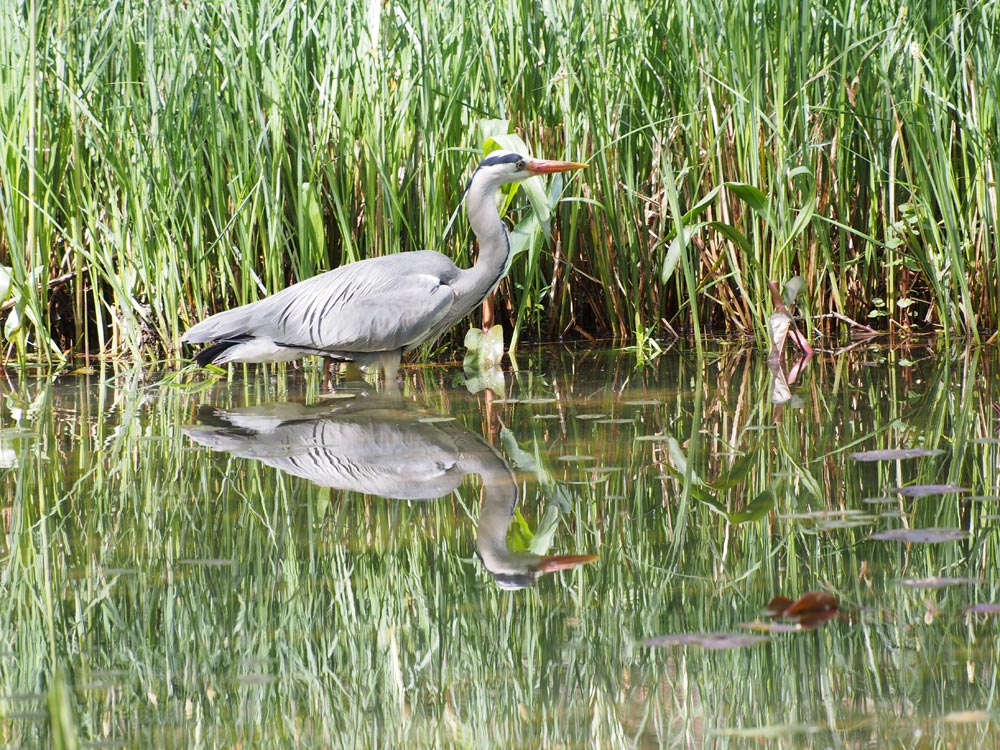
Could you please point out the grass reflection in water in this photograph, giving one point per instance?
(217, 597)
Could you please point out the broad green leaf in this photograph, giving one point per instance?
(732, 234)
(5, 282)
(803, 218)
(753, 197)
(799, 171)
(759, 507)
(314, 238)
(484, 350)
(522, 237)
(674, 251)
(702, 205)
(490, 129)
(697, 489)
(793, 287)
(13, 324)
(680, 469)
(737, 472)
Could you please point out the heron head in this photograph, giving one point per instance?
(502, 167)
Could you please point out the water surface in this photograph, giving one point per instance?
(250, 562)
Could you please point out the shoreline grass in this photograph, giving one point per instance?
(161, 162)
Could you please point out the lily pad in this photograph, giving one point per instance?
(967, 717)
(710, 641)
(527, 401)
(808, 612)
(770, 732)
(935, 582)
(986, 608)
(923, 490)
(931, 535)
(894, 454)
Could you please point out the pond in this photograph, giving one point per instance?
(614, 551)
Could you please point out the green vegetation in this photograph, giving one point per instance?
(160, 161)
(157, 594)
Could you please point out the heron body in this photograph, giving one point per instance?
(373, 311)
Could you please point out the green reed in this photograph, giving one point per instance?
(161, 162)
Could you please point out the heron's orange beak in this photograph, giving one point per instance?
(563, 562)
(544, 166)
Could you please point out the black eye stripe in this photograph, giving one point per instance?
(490, 161)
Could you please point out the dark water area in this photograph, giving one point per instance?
(609, 551)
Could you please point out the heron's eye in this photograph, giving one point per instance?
(519, 166)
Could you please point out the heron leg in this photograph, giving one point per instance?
(389, 363)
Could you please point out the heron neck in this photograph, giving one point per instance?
(494, 241)
(500, 490)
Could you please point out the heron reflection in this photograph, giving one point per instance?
(379, 447)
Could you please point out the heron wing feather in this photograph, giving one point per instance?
(376, 305)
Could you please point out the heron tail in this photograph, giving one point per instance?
(213, 353)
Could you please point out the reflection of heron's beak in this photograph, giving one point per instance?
(552, 563)
(543, 166)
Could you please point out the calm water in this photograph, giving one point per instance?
(248, 563)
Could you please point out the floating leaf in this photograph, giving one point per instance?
(935, 582)
(930, 535)
(777, 605)
(810, 603)
(772, 627)
(987, 608)
(923, 490)
(967, 717)
(710, 641)
(894, 454)
(809, 611)
(771, 732)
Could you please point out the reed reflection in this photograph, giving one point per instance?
(381, 447)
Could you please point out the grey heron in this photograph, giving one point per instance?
(373, 311)
(377, 447)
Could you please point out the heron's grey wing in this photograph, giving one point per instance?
(404, 460)
(379, 304)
